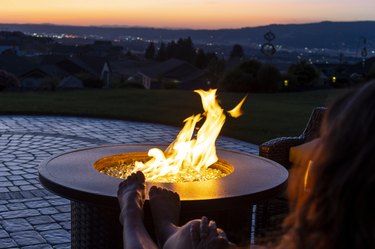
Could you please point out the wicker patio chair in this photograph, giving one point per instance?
(278, 149)
(270, 214)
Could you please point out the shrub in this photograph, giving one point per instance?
(371, 72)
(252, 76)
(170, 85)
(269, 78)
(91, 81)
(305, 74)
(237, 81)
(8, 80)
(251, 67)
(237, 51)
(215, 70)
(243, 78)
(49, 83)
(133, 85)
(290, 82)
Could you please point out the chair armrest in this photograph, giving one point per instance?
(278, 149)
(312, 129)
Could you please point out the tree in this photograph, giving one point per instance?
(171, 49)
(269, 78)
(251, 67)
(237, 51)
(184, 50)
(215, 70)
(150, 51)
(211, 56)
(236, 81)
(306, 75)
(162, 53)
(200, 60)
(243, 78)
(129, 53)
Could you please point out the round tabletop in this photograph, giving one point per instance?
(72, 175)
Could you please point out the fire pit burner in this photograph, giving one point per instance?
(227, 200)
(121, 166)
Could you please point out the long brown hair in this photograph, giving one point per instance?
(339, 210)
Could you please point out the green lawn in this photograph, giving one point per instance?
(266, 115)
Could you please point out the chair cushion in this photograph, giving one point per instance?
(301, 155)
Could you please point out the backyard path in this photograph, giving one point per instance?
(32, 217)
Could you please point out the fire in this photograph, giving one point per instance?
(189, 152)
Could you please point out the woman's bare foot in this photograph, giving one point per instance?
(131, 196)
(165, 208)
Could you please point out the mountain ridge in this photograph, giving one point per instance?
(325, 34)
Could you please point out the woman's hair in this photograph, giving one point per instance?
(339, 210)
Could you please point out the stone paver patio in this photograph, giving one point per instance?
(32, 217)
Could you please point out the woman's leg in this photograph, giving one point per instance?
(131, 196)
(165, 210)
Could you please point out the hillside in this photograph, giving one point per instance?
(330, 35)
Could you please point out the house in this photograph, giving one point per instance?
(173, 73)
(49, 77)
(96, 66)
(33, 79)
(56, 71)
(16, 65)
(71, 82)
(9, 49)
(126, 69)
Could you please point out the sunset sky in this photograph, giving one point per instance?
(184, 13)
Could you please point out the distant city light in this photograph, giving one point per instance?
(71, 36)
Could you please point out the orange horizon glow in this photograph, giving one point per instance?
(197, 14)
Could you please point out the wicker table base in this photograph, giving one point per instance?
(98, 227)
(95, 227)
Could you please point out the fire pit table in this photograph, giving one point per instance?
(95, 210)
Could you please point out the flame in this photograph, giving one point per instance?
(236, 111)
(187, 152)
